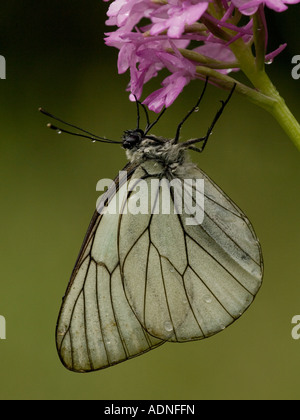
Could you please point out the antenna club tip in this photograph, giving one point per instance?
(53, 127)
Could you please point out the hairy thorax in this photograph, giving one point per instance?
(163, 151)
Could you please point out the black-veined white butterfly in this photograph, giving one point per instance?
(143, 279)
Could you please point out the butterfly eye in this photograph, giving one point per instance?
(132, 138)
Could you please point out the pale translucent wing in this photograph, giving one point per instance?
(96, 327)
(190, 282)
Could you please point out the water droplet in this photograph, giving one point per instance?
(58, 131)
(229, 71)
(93, 141)
(172, 270)
(196, 109)
(108, 342)
(207, 299)
(168, 326)
(269, 62)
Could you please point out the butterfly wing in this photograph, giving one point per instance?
(188, 282)
(96, 326)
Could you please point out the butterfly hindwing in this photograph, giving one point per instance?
(188, 282)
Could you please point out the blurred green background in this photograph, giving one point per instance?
(56, 58)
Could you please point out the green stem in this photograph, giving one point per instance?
(283, 115)
(259, 34)
(227, 82)
(204, 60)
(263, 84)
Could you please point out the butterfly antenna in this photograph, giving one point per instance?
(87, 134)
(94, 139)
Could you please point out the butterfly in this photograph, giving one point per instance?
(141, 280)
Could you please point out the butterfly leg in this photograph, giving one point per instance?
(210, 129)
(190, 113)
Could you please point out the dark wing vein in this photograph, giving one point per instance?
(223, 231)
(187, 259)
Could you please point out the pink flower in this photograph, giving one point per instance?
(127, 13)
(172, 87)
(174, 16)
(171, 25)
(154, 58)
(182, 72)
(249, 7)
(145, 57)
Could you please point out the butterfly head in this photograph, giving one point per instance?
(132, 138)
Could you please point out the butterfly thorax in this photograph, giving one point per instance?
(140, 148)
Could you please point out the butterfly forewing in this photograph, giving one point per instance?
(97, 327)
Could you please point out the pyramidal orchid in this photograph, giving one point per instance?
(196, 39)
